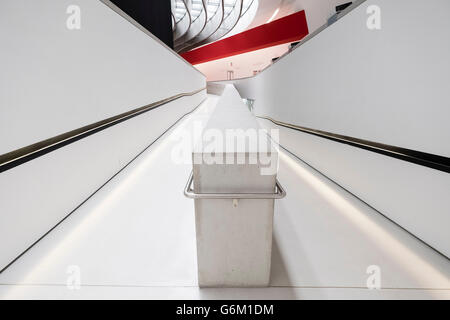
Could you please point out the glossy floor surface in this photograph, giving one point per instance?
(135, 238)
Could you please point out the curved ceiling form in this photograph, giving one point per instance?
(174, 25)
(215, 15)
(210, 20)
(233, 13)
(182, 18)
(249, 9)
(198, 10)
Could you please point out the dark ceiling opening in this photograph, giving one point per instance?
(154, 15)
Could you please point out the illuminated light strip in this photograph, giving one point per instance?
(273, 16)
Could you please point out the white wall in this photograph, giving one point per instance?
(398, 75)
(54, 80)
(389, 86)
(77, 77)
(317, 11)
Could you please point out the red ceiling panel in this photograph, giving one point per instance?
(287, 29)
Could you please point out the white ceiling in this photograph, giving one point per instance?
(243, 65)
(317, 11)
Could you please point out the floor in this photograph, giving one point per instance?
(135, 239)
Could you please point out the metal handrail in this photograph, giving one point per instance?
(189, 192)
(429, 160)
(25, 154)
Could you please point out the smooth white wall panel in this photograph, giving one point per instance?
(413, 196)
(54, 80)
(389, 86)
(36, 195)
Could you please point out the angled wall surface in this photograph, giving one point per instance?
(55, 79)
(388, 86)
